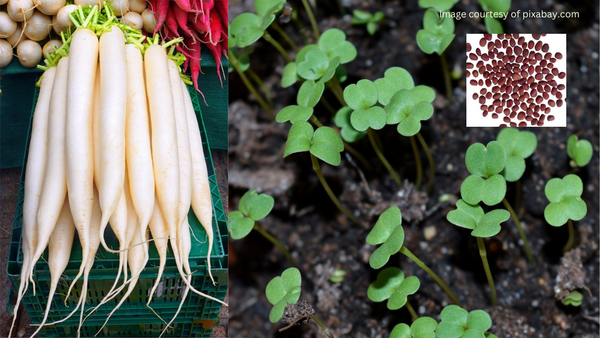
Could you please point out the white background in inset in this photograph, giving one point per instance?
(557, 43)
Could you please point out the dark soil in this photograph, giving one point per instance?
(322, 239)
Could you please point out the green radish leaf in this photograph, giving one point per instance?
(302, 53)
(485, 162)
(574, 298)
(333, 43)
(269, 16)
(394, 79)
(518, 145)
(256, 206)
(294, 114)
(290, 75)
(423, 94)
(310, 93)
(400, 331)
(457, 322)
(388, 230)
(580, 151)
(475, 189)
(411, 125)
(361, 96)
(378, 16)
(385, 225)
(282, 291)
(453, 322)
(360, 16)
(264, 7)
(489, 224)
(239, 225)
(479, 320)
(371, 28)
(565, 200)
(399, 106)
(465, 215)
(392, 285)
(373, 118)
(391, 246)
(331, 69)
(246, 29)
(493, 26)
(314, 66)
(438, 5)
(501, 6)
(347, 131)
(424, 327)
(473, 217)
(327, 145)
(299, 138)
(437, 34)
(490, 335)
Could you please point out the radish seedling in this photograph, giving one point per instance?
(435, 37)
(247, 28)
(566, 204)
(389, 232)
(423, 327)
(458, 322)
(372, 21)
(486, 184)
(580, 151)
(574, 298)
(393, 287)
(283, 292)
(483, 225)
(254, 207)
(438, 5)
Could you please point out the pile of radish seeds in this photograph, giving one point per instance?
(114, 140)
(518, 79)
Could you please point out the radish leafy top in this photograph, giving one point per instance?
(437, 33)
(519, 145)
(253, 207)
(247, 28)
(372, 21)
(565, 200)
(485, 164)
(473, 217)
(283, 290)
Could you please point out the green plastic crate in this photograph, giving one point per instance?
(197, 314)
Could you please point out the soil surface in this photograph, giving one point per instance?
(322, 239)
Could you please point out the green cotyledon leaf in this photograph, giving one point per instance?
(391, 285)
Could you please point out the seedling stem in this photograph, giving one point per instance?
(520, 229)
(518, 195)
(275, 242)
(569, 244)
(313, 22)
(486, 267)
(336, 89)
(430, 159)
(277, 46)
(317, 169)
(249, 85)
(327, 105)
(316, 121)
(261, 84)
(410, 309)
(323, 326)
(358, 155)
(285, 36)
(446, 76)
(382, 158)
(413, 144)
(404, 250)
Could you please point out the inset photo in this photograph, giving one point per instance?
(516, 80)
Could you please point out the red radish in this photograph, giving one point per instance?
(200, 25)
(181, 17)
(83, 60)
(216, 53)
(215, 28)
(170, 21)
(34, 175)
(162, 8)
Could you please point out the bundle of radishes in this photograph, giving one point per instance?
(115, 141)
(27, 25)
(199, 22)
